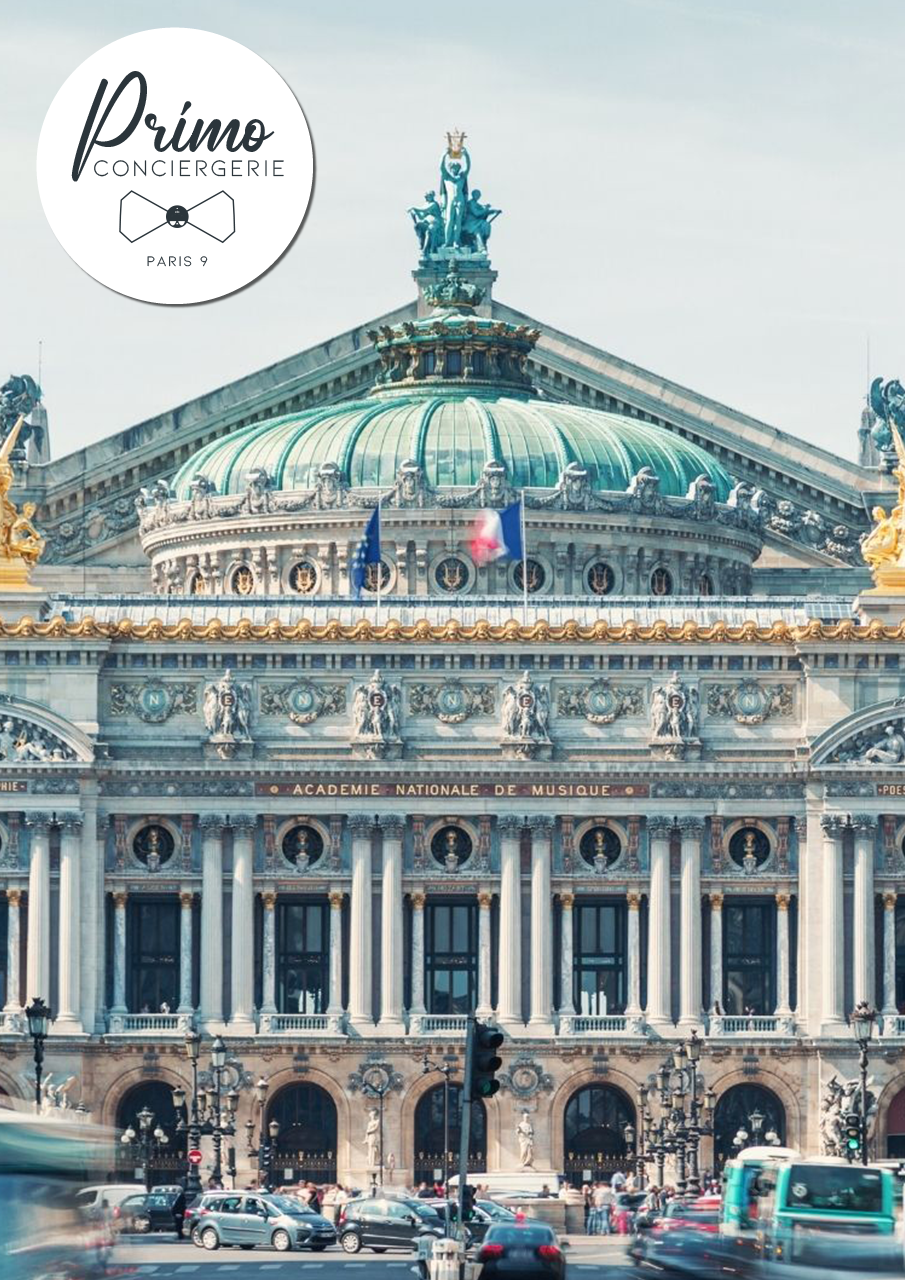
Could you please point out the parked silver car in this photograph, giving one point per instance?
(250, 1218)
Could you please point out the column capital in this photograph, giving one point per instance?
(633, 900)
(660, 828)
(186, 899)
(511, 825)
(71, 822)
(336, 897)
(691, 827)
(832, 824)
(39, 822)
(889, 900)
(211, 823)
(567, 901)
(361, 825)
(716, 902)
(541, 823)
(243, 823)
(418, 900)
(14, 897)
(120, 898)
(782, 901)
(269, 899)
(393, 825)
(865, 824)
(485, 899)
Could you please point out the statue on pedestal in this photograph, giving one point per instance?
(524, 1131)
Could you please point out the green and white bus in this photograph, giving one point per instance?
(43, 1162)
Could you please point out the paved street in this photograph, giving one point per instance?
(589, 1259)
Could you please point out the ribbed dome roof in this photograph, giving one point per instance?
(451, 437)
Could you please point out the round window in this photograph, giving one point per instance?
(154, 846)
(450, 847)
(661, 582)
(600, 847)
(600, 578)
(243, 581)
(451, 574)
(303, 846)
(749, 848)
(370, 582)
(536, 575)
(302, 577)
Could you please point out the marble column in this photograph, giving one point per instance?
(335, 1011)
(541, 1019)
(37, 982)
(889, 963)
(485, 958)
(361, 997)
(633, 1019)
(783, 1007)
(103, 942)
(90, 902)
(186, 899)
(69, 927)
(864, 985)
(659, 960)
(268, 959)
(13, 1019)
(418, 1009)
(566, 963)
(716, 960)
(211, 1003)
(690, 993)
(242, 1017)
(391, 938)
(509, 1010)
(833, 923)
(120, 901)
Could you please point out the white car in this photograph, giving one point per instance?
(92, 1201)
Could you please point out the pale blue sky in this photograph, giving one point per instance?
(710, 188)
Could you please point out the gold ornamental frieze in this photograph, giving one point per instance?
(125, 630)
(453, 790)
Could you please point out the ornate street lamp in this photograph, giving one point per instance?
(863, 1018)
(148, 1143)
(756, 1121)
(263, 1152)
(39, 1019)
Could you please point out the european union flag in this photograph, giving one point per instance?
(367, 552)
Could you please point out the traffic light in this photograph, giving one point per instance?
(484, 1062)
(468, 1195)
(852, 1134)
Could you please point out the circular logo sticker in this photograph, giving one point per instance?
(175, 166)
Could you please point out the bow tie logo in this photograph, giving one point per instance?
(215, 216)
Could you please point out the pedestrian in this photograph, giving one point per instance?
(424, 1192)
(603, 1203)
(314, 1201)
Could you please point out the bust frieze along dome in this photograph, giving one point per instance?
(453, 424)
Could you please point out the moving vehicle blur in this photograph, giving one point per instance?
(43, 1163)
(802, 1202)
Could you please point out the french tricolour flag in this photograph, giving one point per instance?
(498, 535)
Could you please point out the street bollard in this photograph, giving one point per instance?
(445, 1260)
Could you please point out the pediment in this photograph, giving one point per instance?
(872, 738)
(32, 734)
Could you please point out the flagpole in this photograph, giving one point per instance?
(379, 559)
(524, 567)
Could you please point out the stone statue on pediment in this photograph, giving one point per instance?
(227, 714)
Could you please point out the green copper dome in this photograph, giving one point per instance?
(451, 437)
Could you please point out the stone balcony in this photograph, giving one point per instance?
(120, 1023)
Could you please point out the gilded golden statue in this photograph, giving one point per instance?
(20, 543)
(884, 547)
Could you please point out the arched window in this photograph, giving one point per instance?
(895, 1127)
(306, 1146)
(748, 1108)
(429, 1132)
(168, 1159)
(594, 1133)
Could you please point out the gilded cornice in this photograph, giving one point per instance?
(125, 630)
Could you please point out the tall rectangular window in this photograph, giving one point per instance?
(749, 958)
(303, 956)
(153, 954)
(599, 965)
(451, 957)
